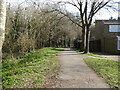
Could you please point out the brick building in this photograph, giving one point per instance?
(106, 36)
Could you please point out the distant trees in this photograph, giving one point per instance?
(111, 18)
(118, 18)
(30, 28)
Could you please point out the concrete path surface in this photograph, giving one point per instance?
(108, 56)
(76, 74)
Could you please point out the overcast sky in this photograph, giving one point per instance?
(102, 14)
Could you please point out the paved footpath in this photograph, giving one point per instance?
(76, 74)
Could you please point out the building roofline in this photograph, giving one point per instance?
(109, 21)
(105, 20)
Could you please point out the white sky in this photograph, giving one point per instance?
(102, 14)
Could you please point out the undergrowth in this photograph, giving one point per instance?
(37, 69)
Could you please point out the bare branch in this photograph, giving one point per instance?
(101, 6)
(85, 11)
(92, 10)
(73, 4)
(69, 17)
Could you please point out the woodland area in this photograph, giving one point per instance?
(50, 25)
(31, 28)
(33, 38)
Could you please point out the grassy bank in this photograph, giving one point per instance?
(108, 69)
(90, 54)
(35, 70)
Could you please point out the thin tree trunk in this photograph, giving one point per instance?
(2, 22)
(2, 30)
(87, 40)
(49, 42)
(83, 39)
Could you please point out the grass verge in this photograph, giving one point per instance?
(108, 69)
(35, 70)
(90, 54)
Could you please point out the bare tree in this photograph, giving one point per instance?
(87, 9)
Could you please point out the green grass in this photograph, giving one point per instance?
(34, 70)
(90, 54)
(108, 69)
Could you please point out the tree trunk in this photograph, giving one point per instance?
(83, 39)
(49, 42)
(87, 40)
(2, 29)
(2, 23)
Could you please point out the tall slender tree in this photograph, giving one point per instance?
(2, 23)
(2, 30)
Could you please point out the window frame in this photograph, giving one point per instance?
(112, 31)
(118, 43)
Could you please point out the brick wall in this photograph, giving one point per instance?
(99, 30)
(109, 34)
(107, 40)
(110, 45)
